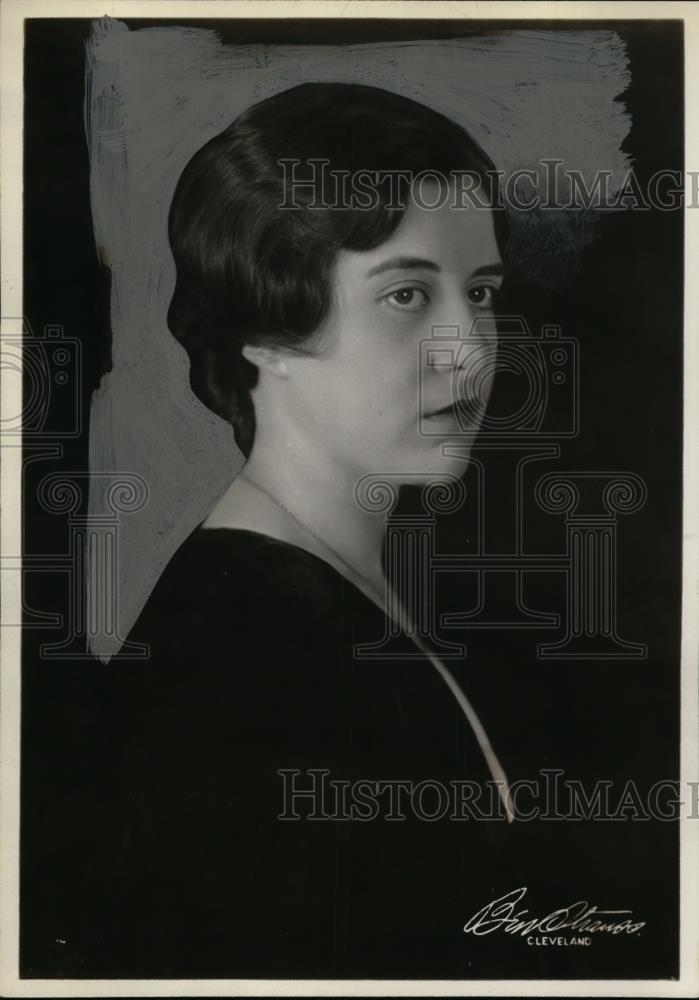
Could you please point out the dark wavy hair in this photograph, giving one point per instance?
(250, 272)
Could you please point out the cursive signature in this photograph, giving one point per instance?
(580, 916)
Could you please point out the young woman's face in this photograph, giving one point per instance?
(370, 397)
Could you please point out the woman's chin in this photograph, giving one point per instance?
(448, 457)
(442, 465)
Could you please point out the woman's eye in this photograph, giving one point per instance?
(482, 296)
(408, 299)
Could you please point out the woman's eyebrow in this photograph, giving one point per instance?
(407, 263)
(488, 269)
(403, 263)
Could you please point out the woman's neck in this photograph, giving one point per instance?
(299, 498)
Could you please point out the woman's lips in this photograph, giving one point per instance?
(463, 409)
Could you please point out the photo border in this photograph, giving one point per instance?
(12, 16)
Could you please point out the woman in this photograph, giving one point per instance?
(244, 845)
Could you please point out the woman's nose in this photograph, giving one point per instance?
(462, 321)
(460, 346)
(464, 355)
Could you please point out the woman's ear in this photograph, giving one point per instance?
(268, 358)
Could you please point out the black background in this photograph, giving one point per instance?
(616, 719)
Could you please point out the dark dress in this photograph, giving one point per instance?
(252, 672)
(153, 843)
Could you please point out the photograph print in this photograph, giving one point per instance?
(351, 463)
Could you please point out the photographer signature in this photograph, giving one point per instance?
(580, 916)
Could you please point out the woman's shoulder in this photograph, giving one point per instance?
(224, 582)
(237, 628)
(241, 557)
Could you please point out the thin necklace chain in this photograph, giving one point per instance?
(494, 766)
(309, 531)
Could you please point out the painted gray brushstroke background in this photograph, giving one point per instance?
(154, 96)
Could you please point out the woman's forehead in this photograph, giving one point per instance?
(441, 239)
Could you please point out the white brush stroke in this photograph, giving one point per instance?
(154, 96)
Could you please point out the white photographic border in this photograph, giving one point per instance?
(12, 16)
